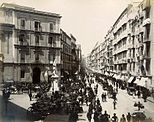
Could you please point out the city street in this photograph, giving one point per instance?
(125, 104)
(18, 104)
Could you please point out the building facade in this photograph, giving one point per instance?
(66, 53)
(70, 55)
(130, 43)
(30, 43)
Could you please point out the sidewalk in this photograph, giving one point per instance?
(16, 108)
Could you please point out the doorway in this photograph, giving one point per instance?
(36, 75)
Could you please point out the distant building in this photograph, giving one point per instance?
(70, 54)
(66, 54)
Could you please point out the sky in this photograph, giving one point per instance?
(87, 20)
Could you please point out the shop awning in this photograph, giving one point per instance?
(122, 78)
(143, 82)
(130, 80)
(118, 77)
(106, 73)
(115, 75)
(137, 80)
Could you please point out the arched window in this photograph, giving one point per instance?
(51, 27)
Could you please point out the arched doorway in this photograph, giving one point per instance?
(36, 75)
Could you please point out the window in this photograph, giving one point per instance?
(134, 66)
(147, 31)
(22, 57)
(51, 27)
(133, 38)
(142, 37)
(124, 27)
(148, 49)
(141, 20)
(21, 38)
(37, 26)
(37, 39)
(124, 55)
(129, 53)
(36, 56)
(133, 53)
(22, 74)
(7, 38)
(124, 42)
(22, 23)
(50, 40)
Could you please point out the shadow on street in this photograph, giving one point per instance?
(11, 112)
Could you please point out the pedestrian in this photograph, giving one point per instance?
(30, 96)
(95, 117)
(98, 101)
(139, 93)
(101, 117)
(145, 95)
(128, 117)
(123, 119)
(106, 117)
(86, 100)
(114, 118)
(91, 107)
(105, 97)
(114, 104)
(95, 89)
(89, 116)
(102, 97)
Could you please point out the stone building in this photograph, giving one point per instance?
(70, 55)
(29, 43)
(130, 43)
(66, 53)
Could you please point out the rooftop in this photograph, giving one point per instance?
(27, 9)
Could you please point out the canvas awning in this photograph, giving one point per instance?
(130, 80)
(146, 21)
(115, 75)
(122, 78)
(106, 73)
(118, 77)
(137, 80)
(143, 82)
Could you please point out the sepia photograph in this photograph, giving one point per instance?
(76, 60)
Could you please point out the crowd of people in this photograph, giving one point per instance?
(72, 95)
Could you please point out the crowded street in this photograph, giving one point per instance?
(76, 61)
(124, 104)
